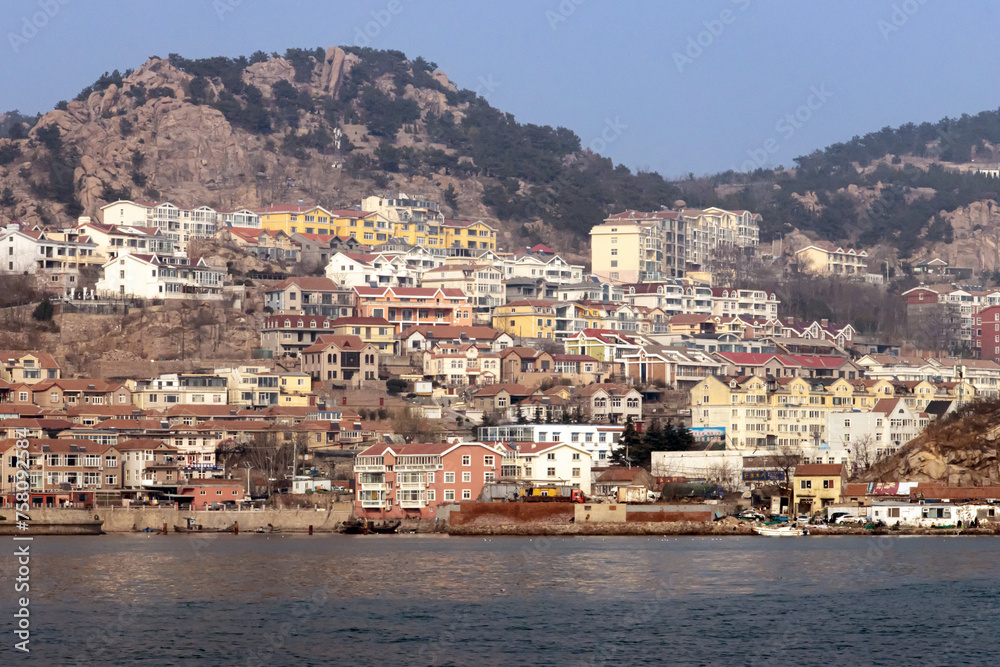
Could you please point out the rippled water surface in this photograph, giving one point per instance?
(430, 600)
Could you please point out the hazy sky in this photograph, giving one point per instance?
(675, 87)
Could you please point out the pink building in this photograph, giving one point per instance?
(410, 481)
(207, 491)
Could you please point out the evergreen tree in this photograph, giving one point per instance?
(629, 445)
(539, 416)
(677, 439)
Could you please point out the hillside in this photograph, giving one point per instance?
(961, 449)
(262, 130)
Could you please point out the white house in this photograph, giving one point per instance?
(553, 268)
(56, 263)
(559, 463)
(156, 277)
(597, 439)
(180, 225)
(874, 435)
(357, 269)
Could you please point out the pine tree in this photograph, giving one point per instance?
(629, 445)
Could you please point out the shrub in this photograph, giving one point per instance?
(43, 311)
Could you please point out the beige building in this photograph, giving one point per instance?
(826, 259)
(711, 229)
(341, 360)
(636, 246)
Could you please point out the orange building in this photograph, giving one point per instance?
(409, 306)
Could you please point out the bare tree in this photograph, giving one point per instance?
(785, 459)
(725, 475)
(863, 454)
(413, 426)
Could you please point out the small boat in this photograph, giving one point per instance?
(358, 526)
(192, 527)
(267, 529)
(385, 527)
(780, 531)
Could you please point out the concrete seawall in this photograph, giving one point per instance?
(126, 520)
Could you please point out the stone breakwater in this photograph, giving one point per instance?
(126, 520)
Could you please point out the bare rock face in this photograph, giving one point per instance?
(264, 75)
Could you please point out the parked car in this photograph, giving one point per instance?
(751, 515)
(848, 519)
(802, 518)
(833, 518)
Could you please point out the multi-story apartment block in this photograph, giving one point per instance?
(62, 465)
(481, 282)
(179, 225)
(110, 240)
(172, 389)
(526, 319)
(288, 334)
(301, 219)
(158, 277)
(708, 230)
(873, 435)
(54, 262)
(308, 295)
(599, 440)
(635, 246)
(399, 481)
(405, 307)
(754, 303)
(827, 259)
(148, 462)
(765, 414)
(377, 331)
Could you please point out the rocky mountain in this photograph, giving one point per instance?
(960, 449)
(263, 130)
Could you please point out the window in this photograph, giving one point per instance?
(449, 478)
(430, 495)
(466, 460)
(466, 494)
(466, 477)
(488, 460)
(576, 472)
(551, 472)
(805, 484)
(449, 494)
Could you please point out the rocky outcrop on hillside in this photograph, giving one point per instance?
(960, 450)
(184, 150)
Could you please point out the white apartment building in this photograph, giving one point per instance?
(541, 463)
(753, 303)
(171, 389)
(358, 269)
(552, 268)
(598, 440)
(55, 263)
(110, 240)
(180, 225)
(710, 229)
(880, 433)
(482, 283)
(157, 277)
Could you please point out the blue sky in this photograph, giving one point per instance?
(674, 87)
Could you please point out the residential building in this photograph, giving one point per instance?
(551, 268)
(179, 225)
(207, 493)
(880, 433)
(401, 481)
(635, 246)
(609, 403)
(266, 244)
(148, 462)
(497, 398)
(751, 303)
(827, 259)
(461, 365)
(356, 269)
(426, 336)
(377, 331)
(482, 283)
(342, 360)
(54, 263)
(526, 319)
(289, 334)
(549, 463)
(309, 295)
(817, 485)
(63, 465)
(156, 277)
(599, 440)
(171, 389)
(405, 307)
(22, 367)
(712, 229)
(110, 240)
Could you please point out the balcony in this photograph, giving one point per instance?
(412, 486)
(374, 487)
(380, 468)
(412, 504)
(372, 504)
(417, 467)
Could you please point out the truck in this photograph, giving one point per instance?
(552, 494)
